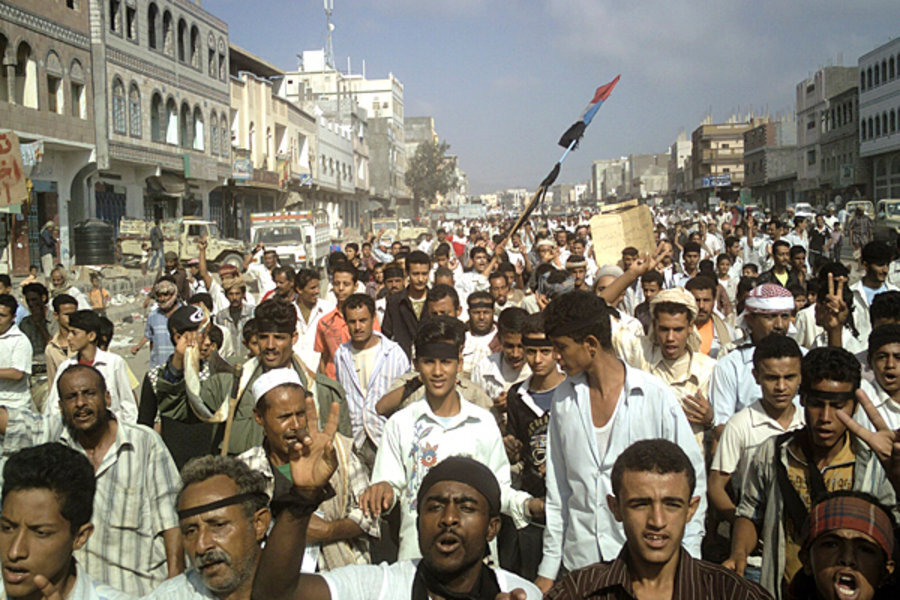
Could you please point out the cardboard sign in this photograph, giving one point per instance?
(13, 189)
(614, 231)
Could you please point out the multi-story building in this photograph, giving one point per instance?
(843, 175)
(717, 159)
(679, 151)
(47, 99)
(770, 163)
(813, 104)
(606, 177)
(879, 111)
(163, 120)
(272, 139)
(646, 175)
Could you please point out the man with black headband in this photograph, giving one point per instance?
(223, 514)
(421, 435)
(458, 507)
(603, 407)
(781, 483)
(135, 544)
(182, 396)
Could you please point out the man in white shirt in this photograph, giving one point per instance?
(876, 259)
(310, 308)
(884, 392)
(481, 331)
(259, 265)
(15, 357)
(502, 369)
(419, 436)
(458, 515)
(602, 408)
(776, 367)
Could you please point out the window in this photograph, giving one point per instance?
(168, 38)
(811, 157)
(134, 110)
(118, 106)
(811, 124)
(157, 117)
(869, 77)
(152, 18)
(891, 67)
(223, 66)
(893, 118)
(810, 88)
(212, 62)
(877, 73)
(862, 128)
(72, 4)
(199, 133)
(871, 129)
(171, 122)
(877, 127)
(195, 47)
(187, 129)
(55, 90)
(76, 85)
(251, 133)
(884, 123)
(131, 22)
(4, 86)
(225, 143)
(115, 16)
(884, 70)
(26, 88)
(862, 82)
(182, 32)
(213, 134)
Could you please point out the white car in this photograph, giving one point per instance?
(804, 209)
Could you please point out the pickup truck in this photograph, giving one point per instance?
(181, 236)
(399, 229)
(300, 238)
(887, 221)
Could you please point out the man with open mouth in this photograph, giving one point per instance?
(847, 552)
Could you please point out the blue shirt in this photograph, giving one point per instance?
(543, 399)
(157, 331)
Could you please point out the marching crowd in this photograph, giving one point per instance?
(471, 415)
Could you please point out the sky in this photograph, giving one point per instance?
(503, 79)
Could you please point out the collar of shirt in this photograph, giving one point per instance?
(603, 576)
(100, 358)
(883, 399)
(56, 342)
(656, 360)
(846, 456)
(465, 414)
(122, 442)
(11, 332)
(759, 417)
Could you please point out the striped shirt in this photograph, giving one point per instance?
(391, 362)
(693, 579)
(137, 483)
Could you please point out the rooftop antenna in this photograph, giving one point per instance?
(329, 46)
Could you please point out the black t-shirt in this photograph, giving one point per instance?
(531, 430)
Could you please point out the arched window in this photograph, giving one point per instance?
(893, 121)
(891, 73)
(199, 133)
(26, 77)
(883, 70)
(223, 66)
(152, 18)
(134, 110)
(56, 94)
(157, 118)
(118, 106)
(182, 34)
(877, 127)
(869, 77)
(4, 90)
(877, 72)
(195, 47)
(168, 41)
(862, 129)
(76, 90)
(225, 132)
(171, 122)
(115, 16)
(213, 133)
(862, 82)
(211, 51)
(251, 133)
(187, 130)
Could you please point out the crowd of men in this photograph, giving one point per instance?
(475, 414)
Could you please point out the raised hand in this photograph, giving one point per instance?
(884, 441)
(313, 457)
(836, 310)
(698, 409)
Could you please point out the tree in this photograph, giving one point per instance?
(430, 173)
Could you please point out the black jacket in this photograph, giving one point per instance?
(400, 322)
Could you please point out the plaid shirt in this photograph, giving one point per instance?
(137, 483)
(349, 482)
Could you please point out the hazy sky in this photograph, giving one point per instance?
(504, 78)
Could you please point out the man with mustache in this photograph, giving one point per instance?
(209, 400)
(224, 515)
(136, 544)
(338, 533)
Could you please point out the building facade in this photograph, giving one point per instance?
(47, 100)
(879, 111)
(717, 159)
(843, 176)
(770, 163)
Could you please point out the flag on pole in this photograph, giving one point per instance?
(576, 131)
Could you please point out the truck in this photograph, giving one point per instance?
(300, 238)
(887, 221)
(399, 229)
(180, 236)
